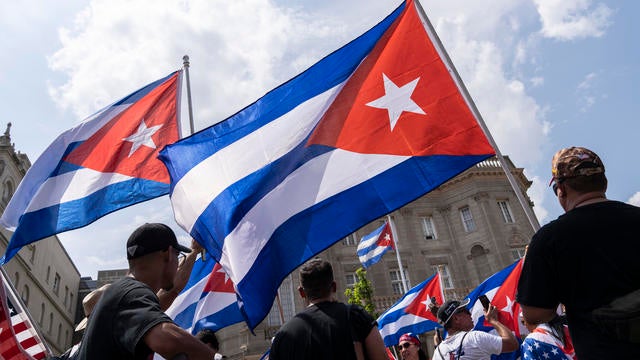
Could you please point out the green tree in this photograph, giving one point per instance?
(362, 293)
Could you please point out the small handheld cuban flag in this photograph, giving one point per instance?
(374, 245)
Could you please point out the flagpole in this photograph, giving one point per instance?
(467, 97)
(185, 64)
(395, 240)
(13, 290)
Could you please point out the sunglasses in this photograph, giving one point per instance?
(405, 345)
(555, 186)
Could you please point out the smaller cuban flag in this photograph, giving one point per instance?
(411, 313)
(500, 288)
(373, 246)
(208, 301)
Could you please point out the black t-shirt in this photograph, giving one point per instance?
(323, 331)
(124, 314)
(585, 259)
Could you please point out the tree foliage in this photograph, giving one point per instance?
(362, 293)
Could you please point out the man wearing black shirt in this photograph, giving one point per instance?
(127, 322)
(584, 259)
(326, 329)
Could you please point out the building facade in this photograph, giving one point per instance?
(42, 273)
(470, 228)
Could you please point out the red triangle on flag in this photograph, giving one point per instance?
(402, 101)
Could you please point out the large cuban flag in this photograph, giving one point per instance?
(106, 163)
(374, 245)
(411, 313)
(208, 301)
(369, 128)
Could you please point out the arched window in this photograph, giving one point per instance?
(7, 190)
(481, 262)
(50, 322)
(25, 295)
(59, 331)
(16, 280)
(41, 314)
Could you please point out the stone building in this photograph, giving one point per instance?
(470, 227)
(42, 273)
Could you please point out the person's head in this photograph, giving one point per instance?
(316, 279)
(411, 347)
(154, 247)
(209, 337)
(454, 315)
(579, 169)
(88, 303)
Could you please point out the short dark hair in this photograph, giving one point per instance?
(208, 337)
(316, 278)
(585, 184)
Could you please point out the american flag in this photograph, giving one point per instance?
(18, 338)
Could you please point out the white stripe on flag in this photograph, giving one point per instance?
(330, 173)
(244, 157)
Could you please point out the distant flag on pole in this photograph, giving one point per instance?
(411, 313)
(208, 301)
(106, 163)
(18, 338)
(374, 245)
(366, 130)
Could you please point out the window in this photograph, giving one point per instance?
(48, 273)
(428, 228)
(66, 295)
(286, 296)
(56, 284)
(32, 248)
(517, 253)
(59, 332)
(50, 322)
(396, 281)
(17, 282)
(25, 295)
(350, 279)
(445, 275)
(41, 314)
(506, 211)
(350, 240)
(467, 219)
(70, 301)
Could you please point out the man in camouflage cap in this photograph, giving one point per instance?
(585, 259)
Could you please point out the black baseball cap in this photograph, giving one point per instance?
(150, 238)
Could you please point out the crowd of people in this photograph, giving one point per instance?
(584, 262)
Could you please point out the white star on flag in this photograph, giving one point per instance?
(509, 307)
(426, 302)
(142, 137)
(397, 99)
(387, 237)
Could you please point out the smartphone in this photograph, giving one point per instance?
(485, 302)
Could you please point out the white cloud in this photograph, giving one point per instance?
(585, 90)
(572, 19)
(635, 199)
(537, 81)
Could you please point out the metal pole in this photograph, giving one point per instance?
(465, 94)
(395, 240)
(185, 64)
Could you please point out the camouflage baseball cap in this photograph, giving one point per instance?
(575, 161)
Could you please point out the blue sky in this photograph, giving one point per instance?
(545, 74)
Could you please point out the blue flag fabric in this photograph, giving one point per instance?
(280, 181)
(373, 246)
(411, 314)
(106, 163)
